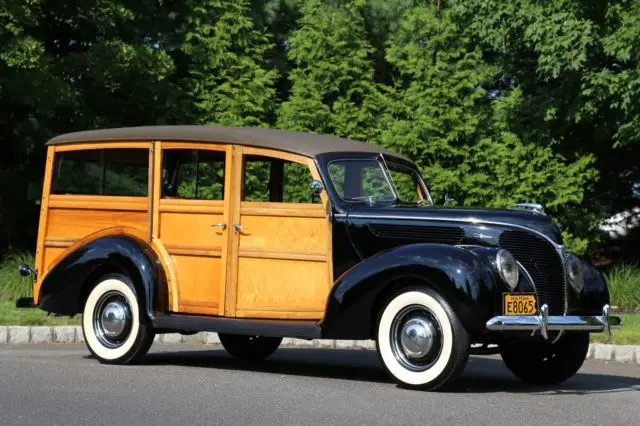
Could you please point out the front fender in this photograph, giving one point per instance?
(63, 288)
(462, 277)
(594, 294)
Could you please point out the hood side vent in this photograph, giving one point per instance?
(430, 234)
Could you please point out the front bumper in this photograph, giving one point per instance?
(545, 323)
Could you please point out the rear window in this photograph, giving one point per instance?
(120, 172)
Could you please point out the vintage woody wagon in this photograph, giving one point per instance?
(262, 234)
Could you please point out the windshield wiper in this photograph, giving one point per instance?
(368, 198)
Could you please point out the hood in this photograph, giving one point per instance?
(534, 221)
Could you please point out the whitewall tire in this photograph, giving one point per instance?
(113, 329)
(420, 340)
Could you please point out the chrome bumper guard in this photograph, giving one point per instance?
(545, 323)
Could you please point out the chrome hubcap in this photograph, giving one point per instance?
(112, 319)
(416, 339)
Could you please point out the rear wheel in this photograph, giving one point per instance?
(111, 323)
(249, 347)
(420, 340)
(544, 363)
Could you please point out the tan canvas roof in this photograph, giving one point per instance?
(307, 144)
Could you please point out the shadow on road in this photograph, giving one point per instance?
(482, 374)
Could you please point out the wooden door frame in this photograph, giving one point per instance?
(234, 213)
(159, 147)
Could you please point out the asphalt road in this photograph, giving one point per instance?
(61, 384)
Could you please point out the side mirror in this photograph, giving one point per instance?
(316, 187)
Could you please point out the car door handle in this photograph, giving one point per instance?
(219, 225)
(239, 228)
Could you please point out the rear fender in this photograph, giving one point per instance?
(66, 284)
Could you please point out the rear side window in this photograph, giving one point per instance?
(120, 172)
(193, 174)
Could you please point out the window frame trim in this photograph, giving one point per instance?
(145, 146)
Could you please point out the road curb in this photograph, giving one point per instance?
(629, 354)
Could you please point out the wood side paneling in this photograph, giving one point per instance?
(101, 145)
(281, 286)
(191, 229)
(199, 283)
(98, 202)
(50, 255)
(277, 232)
(78, 223)
(41, 256)
(235, 188)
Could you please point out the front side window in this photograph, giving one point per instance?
(407, 183)
(360, 180)
(267, 179)
(118, 172)
(193, 174)
(376, 181)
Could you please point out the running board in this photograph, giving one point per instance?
(254, 327)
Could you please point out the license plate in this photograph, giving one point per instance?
(519, 304)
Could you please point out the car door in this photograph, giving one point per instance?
(190, 220)
(280, 253)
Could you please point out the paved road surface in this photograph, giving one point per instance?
(61, 384)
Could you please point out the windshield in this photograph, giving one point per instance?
(376, 181)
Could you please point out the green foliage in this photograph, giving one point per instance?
(497, 101)
(228, 77)
(443, 113)
(10, 315)
(12, 285)
(332, 78)
(624, 286)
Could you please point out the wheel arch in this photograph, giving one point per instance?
(69, 281)
(465, 280)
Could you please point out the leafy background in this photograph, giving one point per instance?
(498, 102)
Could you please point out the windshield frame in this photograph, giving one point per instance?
(382, 162)
(414, 172)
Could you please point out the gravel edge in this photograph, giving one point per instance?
(629, 354)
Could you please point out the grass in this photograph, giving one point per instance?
(624, 286)
(629, 334)
(12, 285)
(10, 315)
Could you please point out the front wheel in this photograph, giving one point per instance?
(111, 323)
(420, 340)
(249, 347)
(544, 363)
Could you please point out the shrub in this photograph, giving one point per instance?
(12, 285)
(624, 286)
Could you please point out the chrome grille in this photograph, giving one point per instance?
(543, 262)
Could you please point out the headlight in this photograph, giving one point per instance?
(575, 273)
(507, 268)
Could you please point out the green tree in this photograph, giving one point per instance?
(332, 89)
(575, 67)
(447, 112)
(228, 75)
(78, 66)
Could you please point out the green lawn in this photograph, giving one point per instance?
(10, 315)
(629, 334)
